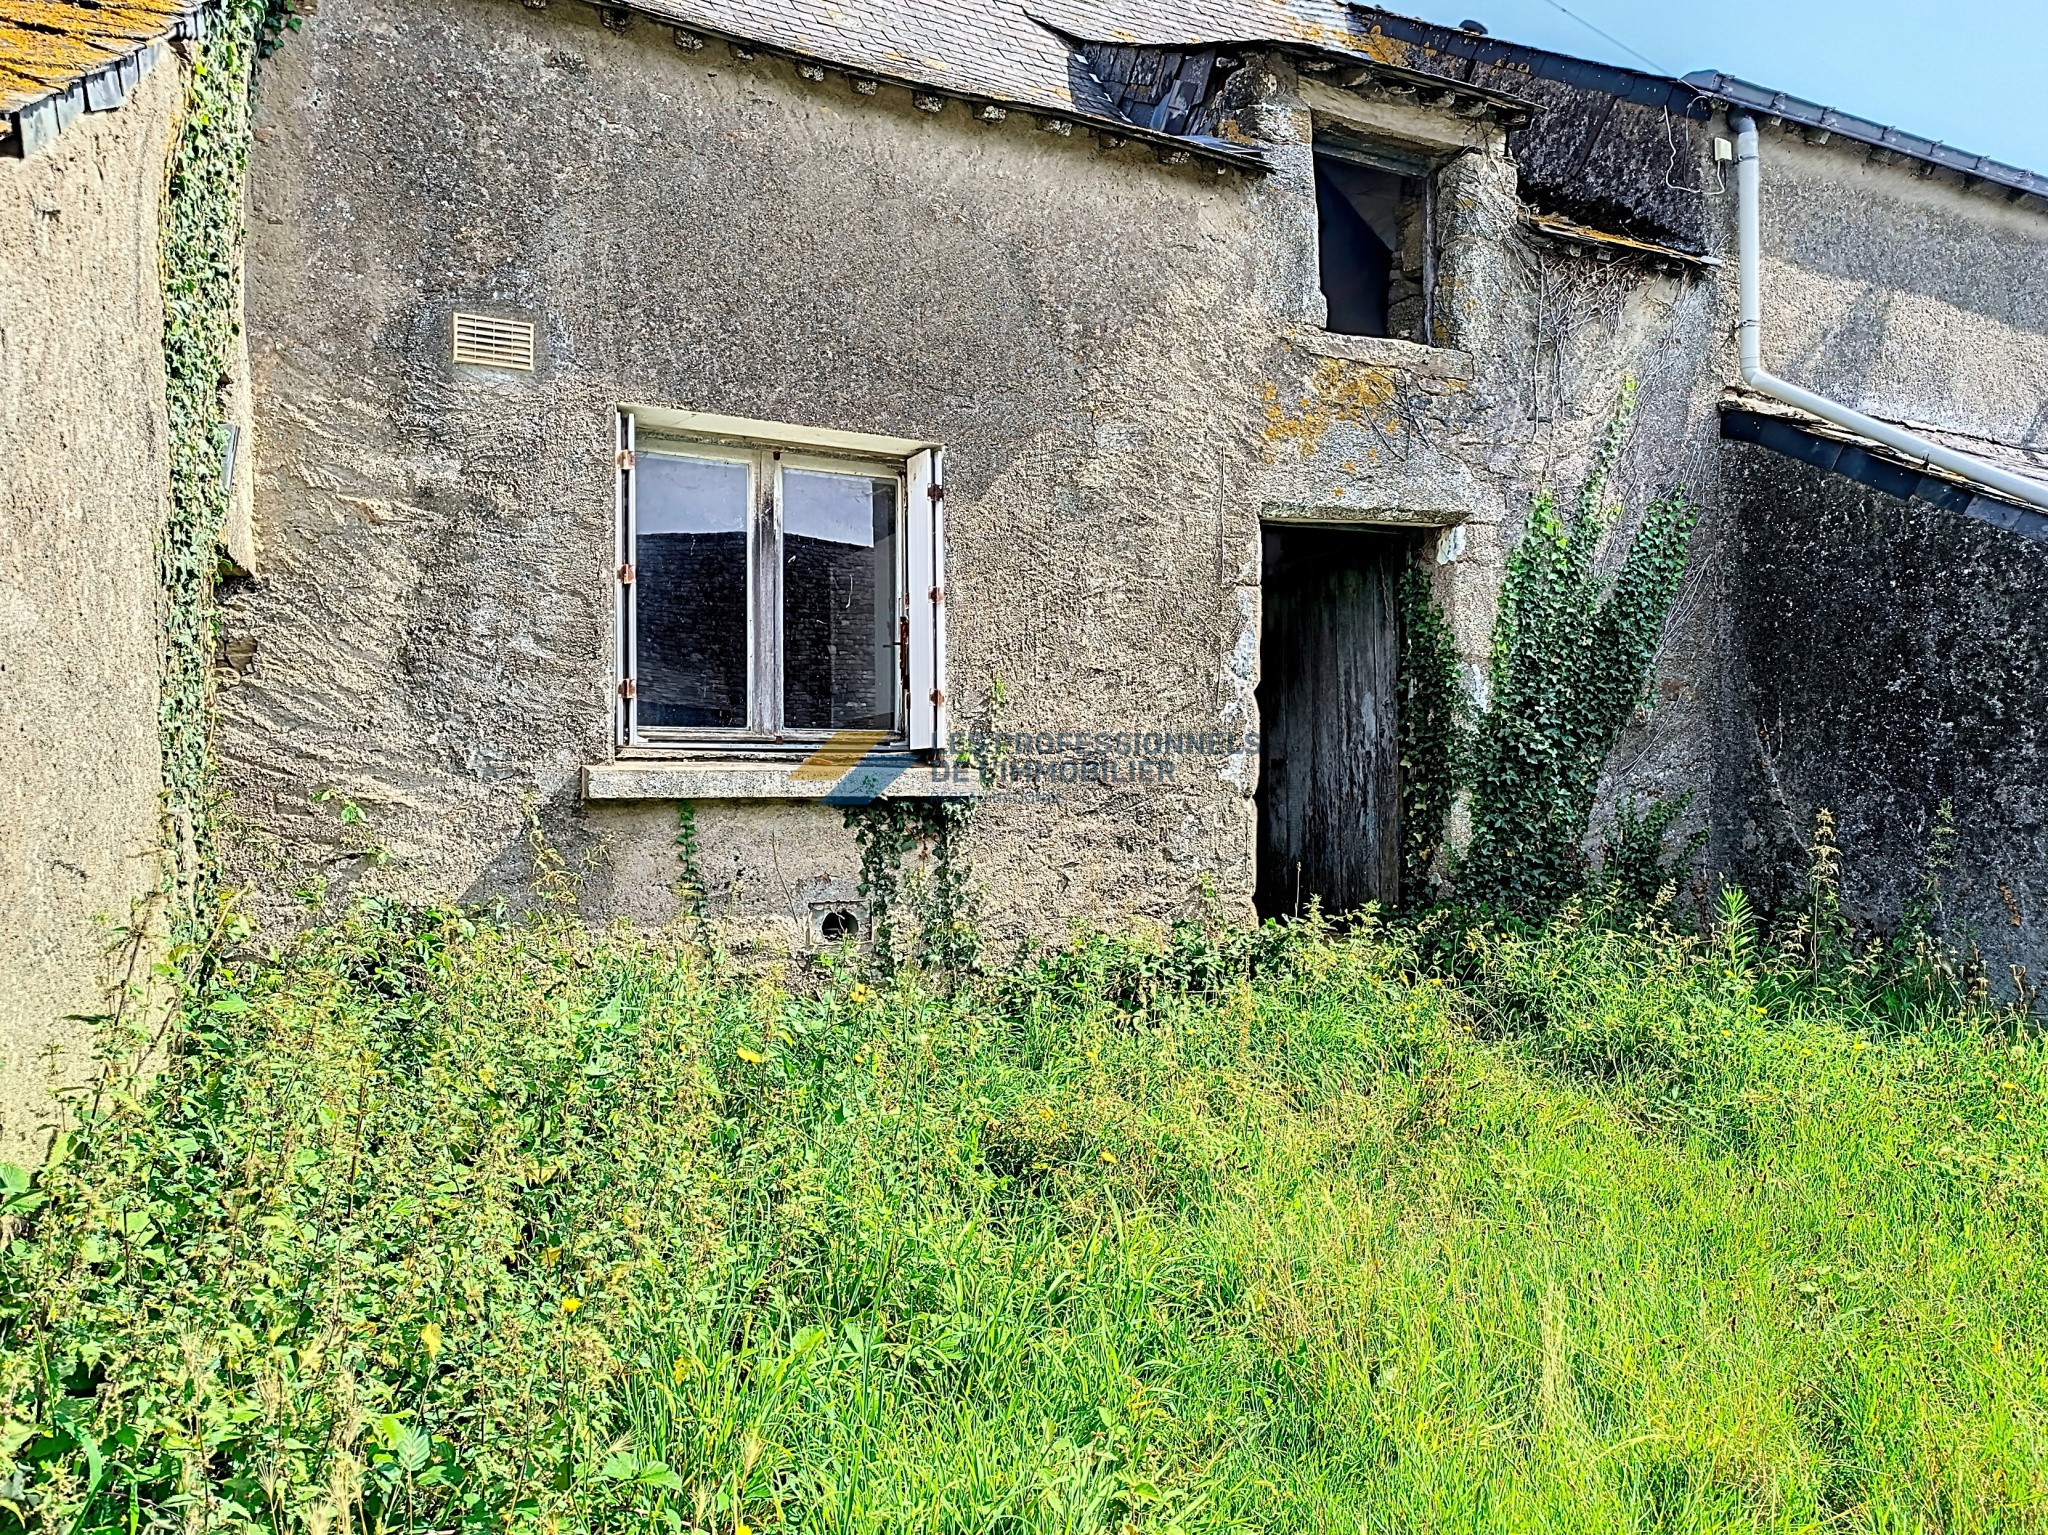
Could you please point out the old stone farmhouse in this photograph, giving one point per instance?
(675, 402)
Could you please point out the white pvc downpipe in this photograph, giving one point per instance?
(2003, 482)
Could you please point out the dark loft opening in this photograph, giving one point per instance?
(1373, 241)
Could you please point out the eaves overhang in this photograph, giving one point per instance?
(1829, 448)
(1823, 123)
(59, 60)
(986, 100)
(1358, 70)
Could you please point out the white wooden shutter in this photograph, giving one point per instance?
(924, 592)
(628, 617)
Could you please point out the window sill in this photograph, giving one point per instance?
(1387, 352)
(876, 777)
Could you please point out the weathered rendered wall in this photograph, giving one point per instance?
(82, 493)
(1894, 659)
(1124, 359)
(434, 620)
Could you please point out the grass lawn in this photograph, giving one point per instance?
(438, 1225)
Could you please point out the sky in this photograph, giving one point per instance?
(1966, 72)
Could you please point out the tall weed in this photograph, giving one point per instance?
(438, 1224)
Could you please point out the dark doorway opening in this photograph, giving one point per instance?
(1329, 797)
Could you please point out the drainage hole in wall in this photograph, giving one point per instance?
(837, 922)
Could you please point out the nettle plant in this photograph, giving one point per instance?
(1573, 652)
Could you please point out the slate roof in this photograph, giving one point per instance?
(1184, 23)
(46, 45)
(986, 47)
(62, 57)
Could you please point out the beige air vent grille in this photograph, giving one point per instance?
(486, 341)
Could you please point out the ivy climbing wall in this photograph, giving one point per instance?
(202, 348)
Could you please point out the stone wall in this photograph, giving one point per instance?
(82, 496)
(1893, 661)
(1124, 359)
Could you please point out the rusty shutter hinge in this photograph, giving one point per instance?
(625, 575)
(625, 458)
(936, 491)
(627, 690)
(938, 594)
(938, 695)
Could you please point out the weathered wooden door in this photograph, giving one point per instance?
(1329, 771)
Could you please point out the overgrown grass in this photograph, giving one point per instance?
(434, 1225)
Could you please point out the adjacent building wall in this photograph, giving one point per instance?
(82, 496)
(1894, 665)
(1885, 654)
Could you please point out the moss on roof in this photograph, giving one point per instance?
(46, 45)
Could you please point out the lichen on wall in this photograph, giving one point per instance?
(1358, 394)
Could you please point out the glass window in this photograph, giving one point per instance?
(765, 596)
(838, 600)
(690, 584)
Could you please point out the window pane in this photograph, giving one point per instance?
(690, 591)
(1357, 234)
(839, 665)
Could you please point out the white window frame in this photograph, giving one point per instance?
(768, 448)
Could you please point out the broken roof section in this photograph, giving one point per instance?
(988, 52)
(59, 58)
(1605, 148)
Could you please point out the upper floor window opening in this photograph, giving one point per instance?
(1375, 237)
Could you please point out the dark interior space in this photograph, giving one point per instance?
(1329, 780)
(689, 598)
(1371, 243)
(691, 609)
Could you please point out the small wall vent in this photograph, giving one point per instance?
(487, 341)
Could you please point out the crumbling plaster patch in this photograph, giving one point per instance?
(83, 466)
